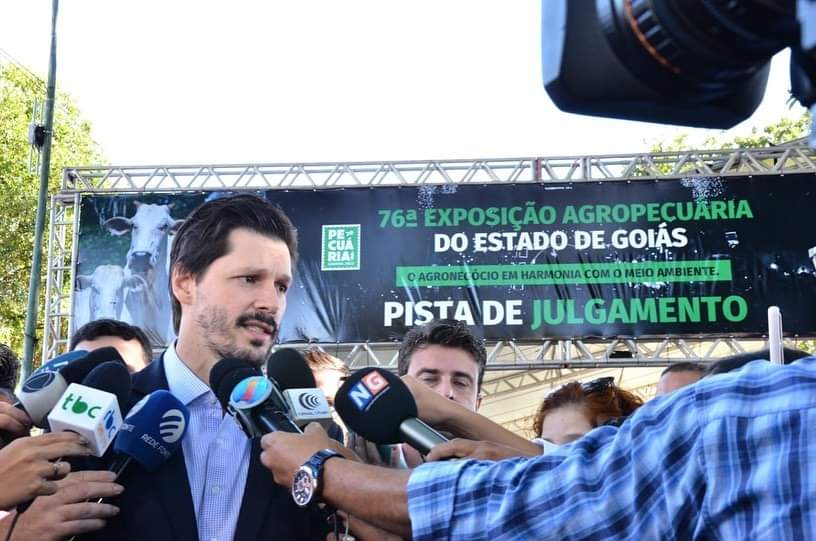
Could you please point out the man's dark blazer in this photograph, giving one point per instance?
(158, 506)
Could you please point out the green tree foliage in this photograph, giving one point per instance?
(785, 130)
(72, 145)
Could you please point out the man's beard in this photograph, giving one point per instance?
(219, 335)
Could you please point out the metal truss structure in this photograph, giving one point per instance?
(516, 364)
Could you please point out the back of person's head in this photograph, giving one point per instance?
(684, 367)
(735, 362)
(329, 371)
(679, 375)
(318, 360)
(204, 236)
(446, 333)
(9, 373)
(102, 328)
(600, 401)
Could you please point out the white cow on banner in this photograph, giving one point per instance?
(105, 292)
(148, 258)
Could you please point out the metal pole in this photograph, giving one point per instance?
(36, 259)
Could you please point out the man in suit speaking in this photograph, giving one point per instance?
(230, 268)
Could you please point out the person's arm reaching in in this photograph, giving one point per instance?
(446, 415)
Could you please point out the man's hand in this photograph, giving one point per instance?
(13, 421)
(479, 450)
(71, 510)
(26, 470)
(370, 454)
(283, 452)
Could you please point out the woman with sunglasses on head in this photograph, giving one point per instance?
(574, 409)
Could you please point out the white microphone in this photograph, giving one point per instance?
(91, 413)
(39, 394)
(308, 406)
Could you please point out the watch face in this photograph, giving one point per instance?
(303, 486)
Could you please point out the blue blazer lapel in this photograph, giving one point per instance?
(170, 482)
(258, 492)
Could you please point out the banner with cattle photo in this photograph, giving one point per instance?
(698, 256)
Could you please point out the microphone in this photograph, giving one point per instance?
(58, 362)
(151, 432)
(251, 398)
(43, 388)
(289, 369)
(378, 406)
(306, 403)
(92, 408)
(77, 370)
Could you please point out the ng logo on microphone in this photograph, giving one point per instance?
(172, 426)
(365, 390)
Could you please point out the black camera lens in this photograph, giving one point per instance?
(704, 45)
(701, 63)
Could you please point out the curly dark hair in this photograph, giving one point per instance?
(601, 401)
(9, 368)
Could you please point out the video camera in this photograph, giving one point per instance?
(701, 63)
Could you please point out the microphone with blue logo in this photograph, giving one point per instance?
(93, 408)
(151, 432)
(254, 400)
(378, 406)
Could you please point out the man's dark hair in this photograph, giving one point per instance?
(684, 366)
(203, 237)
(112, 327)
(9, 368)
(735, 362)
(444, 332)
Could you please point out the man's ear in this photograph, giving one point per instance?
(183, 284)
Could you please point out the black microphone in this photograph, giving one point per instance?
(76, 371)
(289, 370)
(306, 402)
(253, 399)
(378, 406)
(113, 377)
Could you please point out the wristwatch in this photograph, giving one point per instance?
(307, 484)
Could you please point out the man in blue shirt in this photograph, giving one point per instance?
(732, 457)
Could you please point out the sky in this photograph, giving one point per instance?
(214, 82)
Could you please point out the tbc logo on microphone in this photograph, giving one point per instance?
(110, 424)
(309, 401)
(80, 407)
(172, 426)
(364, 391)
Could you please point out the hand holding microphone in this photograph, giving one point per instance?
(26, 467)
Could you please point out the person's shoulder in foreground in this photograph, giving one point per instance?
(728, 457)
